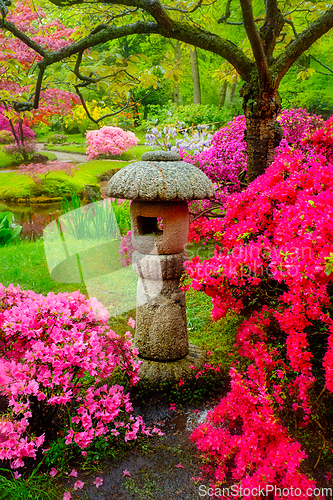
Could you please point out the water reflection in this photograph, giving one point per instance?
(32, 218)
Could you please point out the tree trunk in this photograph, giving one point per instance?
(223, 94)
(263, 133)
(195, 76)
(176, 86)
(233, 90)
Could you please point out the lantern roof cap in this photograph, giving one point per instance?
(160, 176)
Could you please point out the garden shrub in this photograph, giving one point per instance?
(189, 114)
(51, 188)
(224, 162)
(57, 355)
(21, 151)
(274, 264)
(109, 141)
(57, 139)
(6, 137)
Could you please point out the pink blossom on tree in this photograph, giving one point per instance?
(36, 170)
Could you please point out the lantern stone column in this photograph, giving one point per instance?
(160, 186)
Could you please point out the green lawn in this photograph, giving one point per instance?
(24, 263)
(67, 148)
(133, 154)
(6, 161)
(14, 186)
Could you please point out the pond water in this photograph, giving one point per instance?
(32, 218)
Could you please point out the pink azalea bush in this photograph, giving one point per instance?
(109, 141)
(36, 170)
(57, 352)
(224, 162)
(273, 264)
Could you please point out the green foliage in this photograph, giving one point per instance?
(6, 137)
(95, 223)
(7, 233)
(51, 188)
(57, 454)
(122, 214)
(190, 114)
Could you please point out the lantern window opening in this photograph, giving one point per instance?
(150, 225)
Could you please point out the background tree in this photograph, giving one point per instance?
(262, 68)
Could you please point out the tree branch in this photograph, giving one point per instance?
(253, 36)
(39, 86)
(24, 38)
(227, 13)
(274, 22)
(178, 30)
(302, 42)
(321, 64)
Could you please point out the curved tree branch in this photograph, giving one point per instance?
(24, 38)
(302, 43)
(274, 22)
(179, 30)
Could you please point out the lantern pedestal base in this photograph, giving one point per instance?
(173, 371)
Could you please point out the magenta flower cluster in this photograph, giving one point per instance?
(273, 264)
(56, 351)
(126, 249)
(225, 160)
(109, 141)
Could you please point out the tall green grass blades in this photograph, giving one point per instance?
(35, 487)
(122, 214)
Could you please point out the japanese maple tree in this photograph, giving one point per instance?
(18, 61)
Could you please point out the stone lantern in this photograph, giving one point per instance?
(160, 186)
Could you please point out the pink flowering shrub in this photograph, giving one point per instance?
(56, 353)
(273, 264)
(224, 162)
(297, 124)
(36, 170)
(109, 141)
(21, 151)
